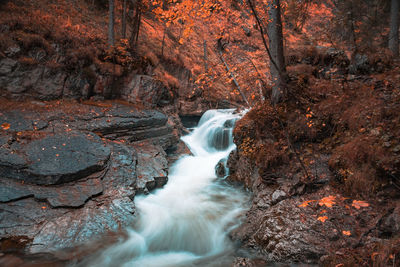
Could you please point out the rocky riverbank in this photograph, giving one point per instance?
(70, 171)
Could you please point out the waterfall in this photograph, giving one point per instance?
(187, 222)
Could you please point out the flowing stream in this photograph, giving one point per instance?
(187, 222)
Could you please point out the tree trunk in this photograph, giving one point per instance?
(276, 49)
(111, 40)
(123, 33)
(394, 28)
(136, 24)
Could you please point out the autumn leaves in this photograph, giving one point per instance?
(329, 202)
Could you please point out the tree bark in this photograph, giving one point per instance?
(277, 66)
(111, 39)
(394, 28)
(123, 33)
(276, 49)
(136, 24)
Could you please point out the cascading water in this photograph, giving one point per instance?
(186, 223)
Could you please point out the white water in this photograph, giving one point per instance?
(186, 223)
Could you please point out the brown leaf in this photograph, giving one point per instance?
(322, 218)
(5, 126)
(359, 204)
(327, 201)
(348, 233)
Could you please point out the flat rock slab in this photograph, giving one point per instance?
(21, 121)
(54, 159)
(72, 195)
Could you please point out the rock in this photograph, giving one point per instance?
(152, 168)
(277, 196)
(62, 186)
(220, 170)
(390, 225)
(360, 65)
(12, 50)
(50, 85)
(126, 123)
(145, 90)
(55, 159)
(7, 65)
(23, 122)
(190, 121)
(176, 152)
(77, 227)
(71, 195)
(283, 234)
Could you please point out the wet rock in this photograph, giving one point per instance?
(23, 121)
(55, 159)
(190, 121)
(220, 170)
(72, 195)
(177, 151)
(62, 185)
(79, 226)
(152, 167)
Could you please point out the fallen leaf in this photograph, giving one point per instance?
(359, 204)
(5, 126)
(305, 203)
(339, 265)
(327, 201)
(322, 218)
(346, 232)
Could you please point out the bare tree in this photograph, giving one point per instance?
(274, 49)
(111, 39)
(123, 33)
(136, 24)
(394, 27)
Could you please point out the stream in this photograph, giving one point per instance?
(187, 222)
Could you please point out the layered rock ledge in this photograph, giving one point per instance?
(69, 171)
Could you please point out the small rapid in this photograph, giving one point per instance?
(187, 222)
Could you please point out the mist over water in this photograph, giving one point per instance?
(186, 223)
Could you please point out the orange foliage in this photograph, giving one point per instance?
(359, 204)
(322, 218)
(5, 126)
(327, 201)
